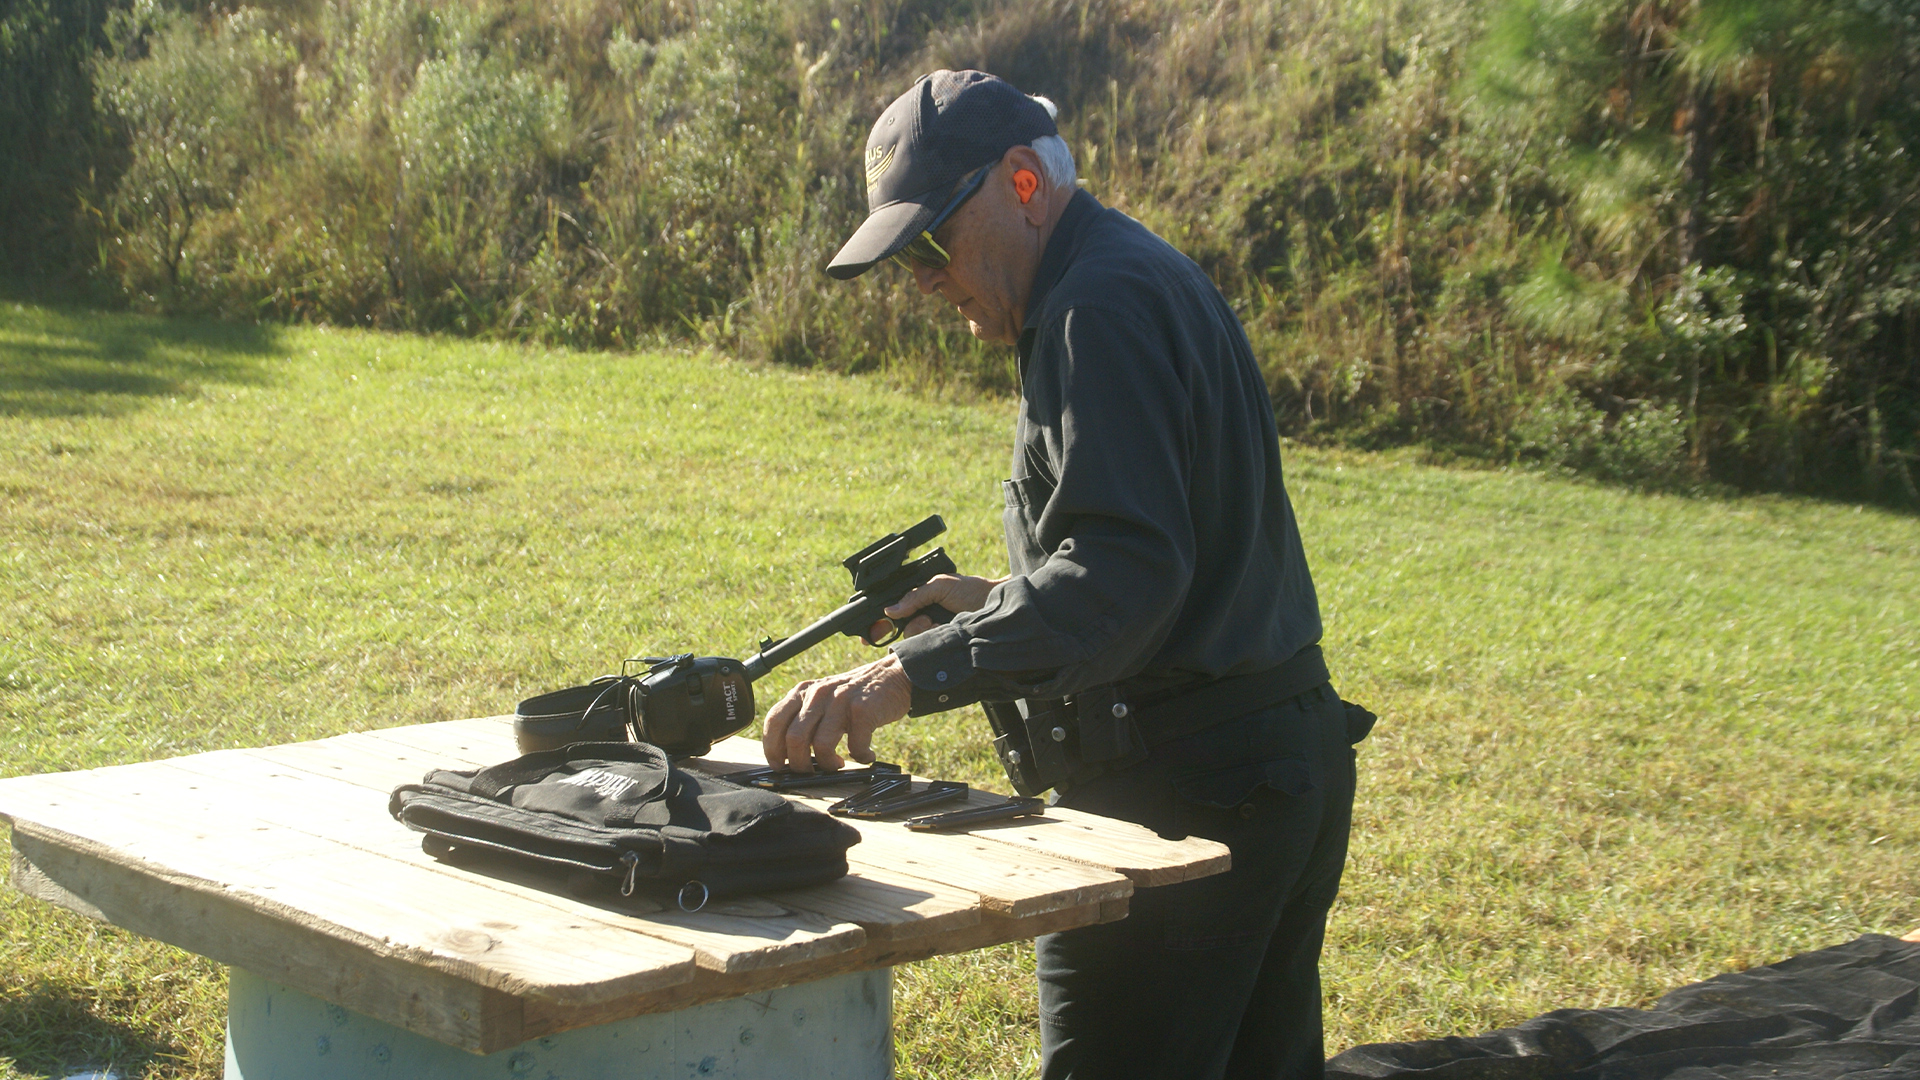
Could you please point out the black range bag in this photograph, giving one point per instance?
(618, 816)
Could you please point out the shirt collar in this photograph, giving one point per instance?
(1081, 209)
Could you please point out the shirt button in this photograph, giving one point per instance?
(943, 697)
(940, 676)
(1247, 809)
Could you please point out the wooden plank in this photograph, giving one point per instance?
(878, 896)
(1010, 882)
(356, 815)
(728, 942)
(358, 759)
(731, 755)
(1013, 887)
(201, 917)
(888, 904)
(486, 740)
(215, 828)
(1072, 835)
(1016, 885)
(914, 894)
(943, 864)
(543, 1018)
(881, 901)
(1134, 850)
(349, 979)
(34, 882)
(282, 860)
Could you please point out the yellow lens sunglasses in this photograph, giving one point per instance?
(926, 251)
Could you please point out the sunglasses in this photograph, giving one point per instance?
(923, 249)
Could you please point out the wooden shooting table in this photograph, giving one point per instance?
(355, 954)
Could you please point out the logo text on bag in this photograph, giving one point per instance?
(609, 785)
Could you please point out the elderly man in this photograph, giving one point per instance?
(1159, 596)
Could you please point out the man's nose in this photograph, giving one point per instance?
(926, 278)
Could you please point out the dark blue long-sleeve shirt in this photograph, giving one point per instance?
(1149, 533)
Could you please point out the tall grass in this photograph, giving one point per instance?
(1659, 242)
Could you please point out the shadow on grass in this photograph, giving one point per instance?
(53, 1030)
(65, 361)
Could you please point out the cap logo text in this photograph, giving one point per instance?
(878, 158)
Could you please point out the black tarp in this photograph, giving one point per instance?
(1848, 1011)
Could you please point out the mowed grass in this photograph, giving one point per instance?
(1627, 741)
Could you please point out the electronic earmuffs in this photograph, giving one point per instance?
(1025, 184)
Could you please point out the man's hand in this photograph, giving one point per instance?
(805, 727)
(955, 593)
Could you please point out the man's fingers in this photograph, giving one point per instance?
(860, 741)
(804, 728)
(934, 591)
(827, 732)
(815, 701)
(879, 695)
(955, 593)
(773, 737)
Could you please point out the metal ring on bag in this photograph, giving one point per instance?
(681, 899)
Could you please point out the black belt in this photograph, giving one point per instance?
(1161, 718)
(1057, 742)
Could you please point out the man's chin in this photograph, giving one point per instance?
(986, 335)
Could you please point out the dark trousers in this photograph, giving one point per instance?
(1217, 977)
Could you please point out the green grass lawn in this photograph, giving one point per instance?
(1627, 741)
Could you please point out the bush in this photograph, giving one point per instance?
(1470, 226)
(1643, 442)
(193, 99)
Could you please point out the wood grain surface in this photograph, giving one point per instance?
(284, 860)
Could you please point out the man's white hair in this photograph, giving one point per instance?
(1056, 160)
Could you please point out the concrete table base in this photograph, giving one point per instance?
(839, 1027)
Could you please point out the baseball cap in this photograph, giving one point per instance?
(950, 124)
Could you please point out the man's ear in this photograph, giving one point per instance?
(1033, 195)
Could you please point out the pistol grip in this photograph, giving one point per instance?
(938, 614)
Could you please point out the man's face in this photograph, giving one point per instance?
(994, 250)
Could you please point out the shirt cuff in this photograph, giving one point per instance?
(939, 663)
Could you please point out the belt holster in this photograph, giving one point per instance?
(1042, 742)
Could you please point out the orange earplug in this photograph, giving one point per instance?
(1025, 184)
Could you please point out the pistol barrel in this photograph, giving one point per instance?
(789, 647)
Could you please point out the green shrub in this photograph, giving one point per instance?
(194, 99)
(1441, 223)
(1644, 442)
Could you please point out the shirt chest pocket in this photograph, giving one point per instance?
(1026, 499)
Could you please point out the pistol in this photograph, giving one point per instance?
(684, 703)
(881, 576)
